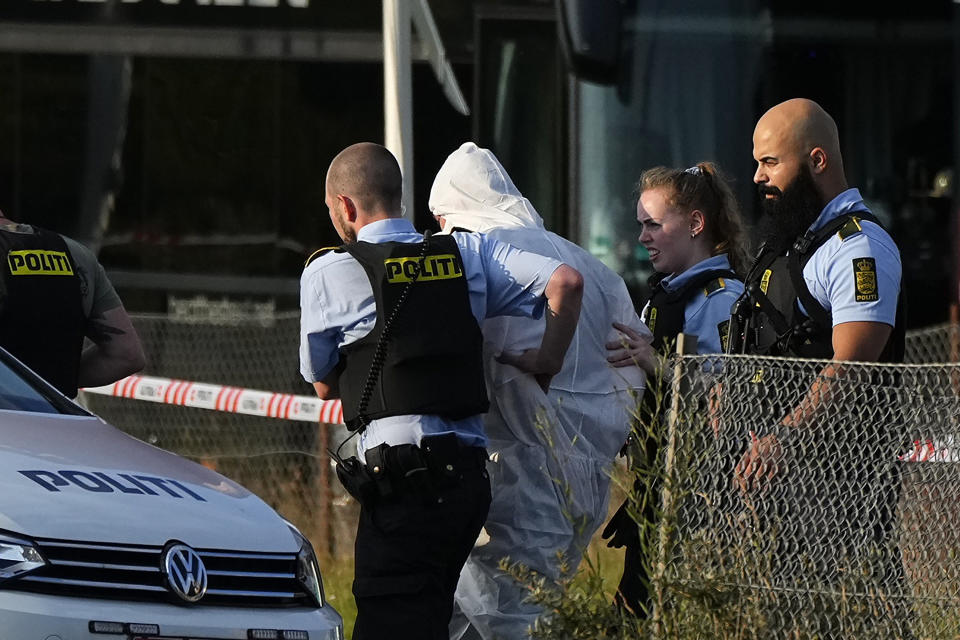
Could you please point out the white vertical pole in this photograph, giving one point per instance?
(398, 93)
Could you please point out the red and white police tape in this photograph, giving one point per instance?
(222, 398)
(306, 409)
(942, 450)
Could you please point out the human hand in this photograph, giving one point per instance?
(759, 464)
(632, 349)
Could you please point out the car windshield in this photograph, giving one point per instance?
(23, 390)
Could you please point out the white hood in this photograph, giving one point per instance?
(473, 191)
(78, 478)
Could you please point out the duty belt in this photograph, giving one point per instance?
(440, 462)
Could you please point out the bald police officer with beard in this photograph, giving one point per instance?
(827, 280)
(826, 284)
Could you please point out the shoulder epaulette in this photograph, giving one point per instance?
(319, 252)
(852, 227)
(714, 285)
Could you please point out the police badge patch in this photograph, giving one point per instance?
(723, 329)
(651, 319)
(865, 276)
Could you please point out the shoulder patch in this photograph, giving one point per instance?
(865, 279)
(319, 252)
(852, 227)
(713, 286)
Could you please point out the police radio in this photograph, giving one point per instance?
(741, 314)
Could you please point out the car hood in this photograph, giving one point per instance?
(78, 478)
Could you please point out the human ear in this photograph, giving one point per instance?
(696, 223)
(349, 208)
(818, 160)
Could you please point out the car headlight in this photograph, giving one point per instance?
(308, 570)
(18, 557)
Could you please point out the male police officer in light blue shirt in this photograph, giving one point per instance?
(420, 410)
(852, 275)
(828, 285)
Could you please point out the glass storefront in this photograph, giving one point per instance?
(695, 77)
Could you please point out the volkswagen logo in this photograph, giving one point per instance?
(185, 573)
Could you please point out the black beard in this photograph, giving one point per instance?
(791, 214)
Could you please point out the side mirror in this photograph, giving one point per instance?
(590, 37)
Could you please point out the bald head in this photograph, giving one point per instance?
(804, 124)
(369, 175)
(799, 132)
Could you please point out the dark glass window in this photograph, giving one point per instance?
(197, 175)
(696, 76)
(519, 108)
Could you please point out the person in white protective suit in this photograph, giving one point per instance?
(550, 454)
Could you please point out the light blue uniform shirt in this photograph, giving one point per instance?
(337, 307)
(832, 272)
(706, 315)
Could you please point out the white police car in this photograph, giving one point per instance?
(103, 536)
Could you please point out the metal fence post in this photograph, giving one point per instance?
(686, 345)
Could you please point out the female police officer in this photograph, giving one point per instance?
(691, 227)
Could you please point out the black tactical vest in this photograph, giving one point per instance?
(41, 313)
(433, 362)
(664, 314)
(776, 288)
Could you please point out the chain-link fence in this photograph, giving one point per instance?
(857, 534)
(842, 524)
(934, 344)
(284, 462)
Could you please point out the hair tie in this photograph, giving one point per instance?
(694, 171)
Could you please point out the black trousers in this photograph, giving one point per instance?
(410, 549)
